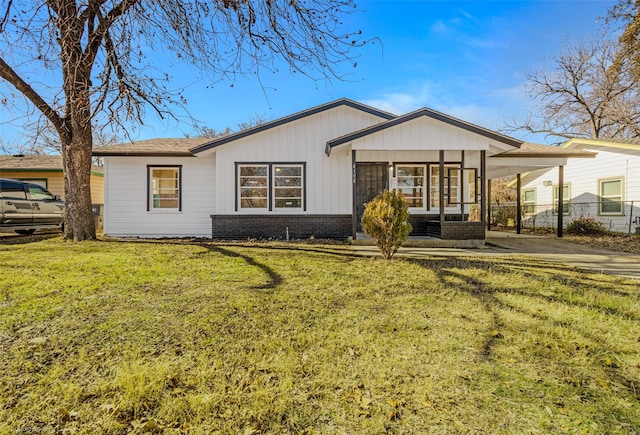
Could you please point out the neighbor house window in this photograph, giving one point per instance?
(452, 185)
(271, 186)
(566, 202)
(610, 192)
(529, 201)
(165, 188)
(411, 184)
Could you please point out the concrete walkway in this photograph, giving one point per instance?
(548, 248)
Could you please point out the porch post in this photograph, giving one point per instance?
(441, 190)
(354, 213)
(518, 201)
(483, 187)
(488, 204)
(461, 181)
(560, 199)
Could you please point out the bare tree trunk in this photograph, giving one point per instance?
(76, 155)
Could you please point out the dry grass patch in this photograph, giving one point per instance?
(126, 337)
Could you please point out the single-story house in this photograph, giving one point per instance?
(46, 170)
(606, 188)
(310, 174)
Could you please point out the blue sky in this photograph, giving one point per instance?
(466, 59)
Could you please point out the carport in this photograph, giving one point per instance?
(530, 157)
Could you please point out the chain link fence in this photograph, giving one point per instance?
(619, 217)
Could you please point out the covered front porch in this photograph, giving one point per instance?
(442, 166)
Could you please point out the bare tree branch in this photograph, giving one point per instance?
(585, 94)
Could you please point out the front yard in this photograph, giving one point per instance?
(179, 337)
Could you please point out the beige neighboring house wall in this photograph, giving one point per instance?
(47, 170)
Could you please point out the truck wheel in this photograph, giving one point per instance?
(26, 232)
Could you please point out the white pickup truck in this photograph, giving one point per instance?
(26, 207)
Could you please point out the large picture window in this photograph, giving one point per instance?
(164, 188)
(271, 186)
(610, 192)
(411, 184)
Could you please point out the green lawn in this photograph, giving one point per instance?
(172, 337)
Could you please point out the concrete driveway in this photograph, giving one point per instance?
(547, 248)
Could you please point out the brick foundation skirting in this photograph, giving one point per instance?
(457, 230)
(240, 227)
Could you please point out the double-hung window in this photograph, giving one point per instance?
(529, 201)
(271, 186)
(566, 202)
(254, 186)
(165, 188)
(610, 192)
(411, 184)
(452, 185)
(287, 186)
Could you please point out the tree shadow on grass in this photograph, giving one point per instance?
(275, 279)
(17, 239)
(458, 273)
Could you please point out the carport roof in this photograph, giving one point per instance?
(534, 150)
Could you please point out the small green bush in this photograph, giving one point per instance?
(386, 220)
(586, 226)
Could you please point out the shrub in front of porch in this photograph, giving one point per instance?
(386, 220)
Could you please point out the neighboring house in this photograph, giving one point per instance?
(310, 174)
(47, 171)
(606, 188)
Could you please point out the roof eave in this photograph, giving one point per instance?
(142, 154)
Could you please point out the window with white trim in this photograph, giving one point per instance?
(164, 188)
(566, 201)
(410, 180)
(271, 186)
(529, 201)
(610, 192)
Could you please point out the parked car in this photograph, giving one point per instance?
(26, 207)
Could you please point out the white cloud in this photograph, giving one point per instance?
(400, 103)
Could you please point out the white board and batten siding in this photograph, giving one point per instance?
(126, 184)
(583, 177)
(420, 134)
(328, 179)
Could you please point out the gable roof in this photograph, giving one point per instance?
(417, 114)
(32, 163)
(628, 144)
(294, 117)
(152, 147)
